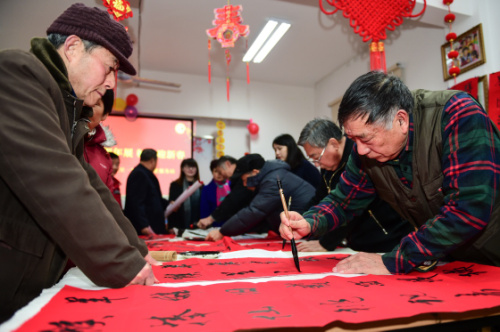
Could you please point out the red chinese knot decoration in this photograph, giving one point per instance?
(228, 29)
(370, 19)
(119, 9)
(451, 37)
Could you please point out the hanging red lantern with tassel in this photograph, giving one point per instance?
(228, 29)
(449, 18)
(370, 19)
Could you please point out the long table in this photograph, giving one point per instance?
(455, 296)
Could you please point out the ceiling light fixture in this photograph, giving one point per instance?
(266, 40)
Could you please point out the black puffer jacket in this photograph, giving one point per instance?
(266, 205)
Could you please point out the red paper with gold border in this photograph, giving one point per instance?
(454, 288)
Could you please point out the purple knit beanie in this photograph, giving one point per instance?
(94, 24)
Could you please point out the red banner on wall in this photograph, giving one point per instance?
(494, 98)
(470, 86)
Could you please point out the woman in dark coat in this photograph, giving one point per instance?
(188, 213)
(286, 149)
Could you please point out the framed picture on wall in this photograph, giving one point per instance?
(470, 48)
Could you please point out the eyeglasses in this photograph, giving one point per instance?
(316, 161)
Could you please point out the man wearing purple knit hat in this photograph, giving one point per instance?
(53, 204)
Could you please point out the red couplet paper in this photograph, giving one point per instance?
(157, 237)
(224, 245)
(265, 244)
(494, 98)
(453, 288)
(199, 269)
(470, 86)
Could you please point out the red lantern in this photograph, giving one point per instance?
(253, 128)
(451, 36)
(449, 18)
(132, 99)
(453, 54)
(454, 71)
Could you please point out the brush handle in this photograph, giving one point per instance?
(164, 256)
(284, 204)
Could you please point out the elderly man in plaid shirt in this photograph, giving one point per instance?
(434, 156)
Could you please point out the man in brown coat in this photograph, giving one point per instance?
(52, 204)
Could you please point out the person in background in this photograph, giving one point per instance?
(188, 213)
(144, 204)
(434, 156)
(115, 189)
(214, 193)
(263, 212)
(55, 200)
(94, 152)
(239, 197)
(286, 149)
(378, 228)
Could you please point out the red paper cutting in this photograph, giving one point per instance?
(119, 9)
(454, 288)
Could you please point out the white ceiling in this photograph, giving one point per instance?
(169, 36)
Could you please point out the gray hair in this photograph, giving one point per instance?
(58, 40)
(376, 96)
(318, 132)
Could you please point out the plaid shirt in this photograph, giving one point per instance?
(471, 169)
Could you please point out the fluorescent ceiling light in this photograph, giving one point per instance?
(270, 42)
(261, 39)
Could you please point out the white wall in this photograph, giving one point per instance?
(281, 109)
(485, 12)
(276, 109)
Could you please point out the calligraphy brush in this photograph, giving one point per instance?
(294, 247)
(289, 205)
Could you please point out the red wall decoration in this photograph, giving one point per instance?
(370, 19)
(470, 86)
(228, 29)
(494, 98)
